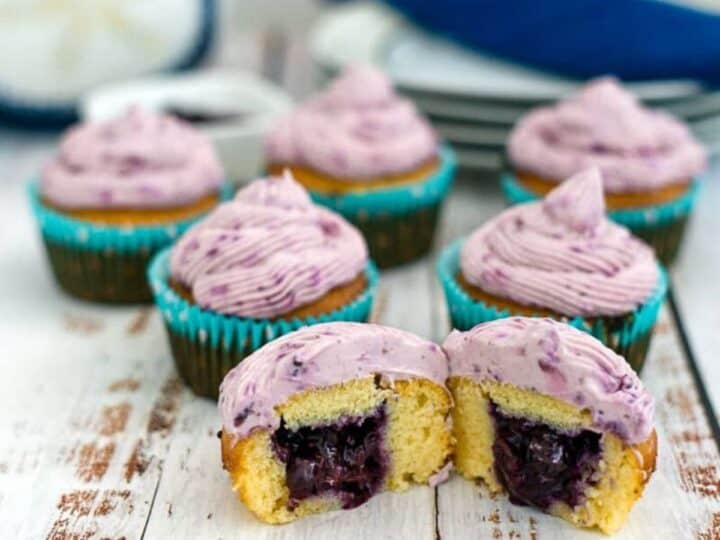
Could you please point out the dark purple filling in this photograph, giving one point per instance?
(345, 459)
(539, 465)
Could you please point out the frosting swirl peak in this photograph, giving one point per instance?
(557, 360)
(358, 129)
(140, 160)
(562, 254)
(603, 125)
(267, 252)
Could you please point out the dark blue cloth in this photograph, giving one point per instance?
(633, 39)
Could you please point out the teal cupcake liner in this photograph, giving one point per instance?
(206, 345)
(395, 200)
(628, 335)
(662, 226)
(398, 222)
(61, 229)
(103, 263)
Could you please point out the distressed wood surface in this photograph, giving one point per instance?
(100, 440)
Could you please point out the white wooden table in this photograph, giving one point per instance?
(99, 439)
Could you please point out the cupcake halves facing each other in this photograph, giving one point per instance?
(367, 153)
(116, 193)
(649, 160)
(326, 417)
(550, 416)
(560, 258)
(258, 267)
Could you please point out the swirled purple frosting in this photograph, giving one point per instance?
(140, 160)
(358, 129)
(557, 360)
(604, 126)
(267, 252)
(562, 254)
(319, 356)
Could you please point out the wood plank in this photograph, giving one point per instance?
(87, 401)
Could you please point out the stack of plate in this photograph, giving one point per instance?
(472, 99)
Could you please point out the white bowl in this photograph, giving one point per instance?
(238, 141)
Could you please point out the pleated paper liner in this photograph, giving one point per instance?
(662, 226)
(399, 222)
(206, 345)
(103, 263)
(628, 335)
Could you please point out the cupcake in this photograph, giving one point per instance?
(560, 258)
(116, 193)
(648, 159)
(365, 152)
(328, 416)
(550, 416)
(259, 266)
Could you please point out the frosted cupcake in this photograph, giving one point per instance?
(259, 266)
(548, 415)
(116, 193)
(648, 159)
(560, 258)
(367, 153)
(328, 416)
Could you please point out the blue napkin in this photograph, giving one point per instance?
(633, 39)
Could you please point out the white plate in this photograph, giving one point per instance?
(238, 142)
(367, 32)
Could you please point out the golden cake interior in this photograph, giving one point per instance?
(417, 441)
(621, 472)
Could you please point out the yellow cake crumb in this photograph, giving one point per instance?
(418, 441)
(624, 469)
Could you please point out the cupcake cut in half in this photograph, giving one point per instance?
(328, 416)
(648, 159)
(560, 258)
(368, 153)
(116, 192)
(259, 266)
(550, 416)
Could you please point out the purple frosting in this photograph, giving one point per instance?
(140, 160)
(358, 129)
(267, 252)
(557, 360)
(604, 126)
(562, 254)
(319, 356)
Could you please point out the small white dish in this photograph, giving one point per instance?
(247, 104)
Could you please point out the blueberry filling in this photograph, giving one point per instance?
(345, 459)
(539, 465)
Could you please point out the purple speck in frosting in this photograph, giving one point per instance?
(106, 196)
(219, 290)
(242, 416)
(329, 228)
(339, 160)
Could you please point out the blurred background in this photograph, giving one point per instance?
(473, 67)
